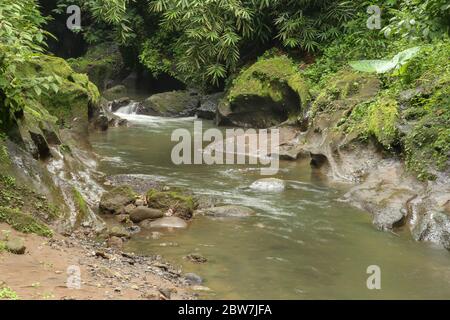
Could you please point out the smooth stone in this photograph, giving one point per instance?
(268, 185)
(15, 246)
(119, 232)
(143, 213)
(228, 211)
(164, 223)
(115, 242)
(193, 279)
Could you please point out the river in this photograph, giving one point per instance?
(302, 244)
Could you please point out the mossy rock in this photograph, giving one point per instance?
(24, 222)
(103, 64)
(181, 204)
(170, 104)
(76, 94)
(267, 93)
(114, 201)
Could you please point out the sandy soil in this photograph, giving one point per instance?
(42, 272)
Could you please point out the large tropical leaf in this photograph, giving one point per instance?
(383, 66)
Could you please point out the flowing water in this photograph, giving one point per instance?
(302, 244)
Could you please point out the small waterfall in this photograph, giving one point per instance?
(128, 109)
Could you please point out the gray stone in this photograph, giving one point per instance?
(164, 223)
(143, 213)
(227, 211)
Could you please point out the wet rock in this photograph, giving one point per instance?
(227, 211)
(115, 242)
(170, 104)
(143, 213)
(193, 279)
(196, 258)
(119, 232)
(164, 223)
(206, 202)
(115, 92)
(433, 227)
(386, 203)
(122, 218)
(119, 103)
(177, 202)
(208, 106)
(128, 209)
(115, 200)
(15, 246)
(268, 185)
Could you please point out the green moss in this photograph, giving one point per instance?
(101, 63)
(76, 93)
(23, 222)
(381, 121)
(20, 197)
(183, 205)
(265, 77)
(427, 146)
(8, 294)
(81, 205)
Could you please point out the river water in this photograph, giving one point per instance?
(302, 244)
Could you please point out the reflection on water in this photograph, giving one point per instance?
(303, 243)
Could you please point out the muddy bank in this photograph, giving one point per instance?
(105, 273)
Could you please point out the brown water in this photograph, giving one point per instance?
(303, 243)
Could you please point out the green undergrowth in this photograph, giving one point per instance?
(7, 293)
(23, 222)
(410, 115)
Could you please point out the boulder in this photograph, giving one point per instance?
(103, 63)
(115, 92)
(266, 94)
(119, 232)
(170, 104)
(164, 223)
(209, 105)
(179, 203)
(119, 103)
(15, 246)
(227, 211)
(115, 242)
(115, 200)
(143, 213)
(193, 279)
(268, 185)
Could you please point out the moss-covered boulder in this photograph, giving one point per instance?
(170, 104)
(267, 93)
(102, 63)
(117, 199)
(179, 203)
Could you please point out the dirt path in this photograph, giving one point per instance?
(43, 271)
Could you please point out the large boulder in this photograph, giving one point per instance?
(170, 104)
(209, 105)
(116, 200)
(268, 93)
(177, 202)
